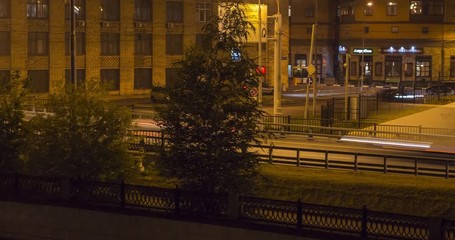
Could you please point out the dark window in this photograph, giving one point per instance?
(5, 77)
(37, 8)
(79, 8)
(110, 44)
(39, 81)
(392, 8)
(171, 76)
(174, 11)
(38, 43)
(452, 66)
(425, 30)
(366, 29)
(80, 76)
(5, 45)
(423, 66)
(204, 11)
(111, 77)
(143, 44)
(80, 43)
(5, 8)
(174, 44)
(110, 10)
(143, 10)
(353, 68)
(143, 78)
(309, 12)
(393, 68)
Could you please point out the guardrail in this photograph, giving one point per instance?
(294, 217)
(305, 157)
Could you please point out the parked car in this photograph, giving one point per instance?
(442, 88)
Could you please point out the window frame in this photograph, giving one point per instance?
(5, 39)
(392, 8)
(34, 39)
(108, 76)
(109, 10)
(39, 8)
(423, 69)
(6, 6)
(204, 11)
(143, 44)
(143, 10)
(140, 78)
(80, 43)
(113, 44)
(174, 44)
(174, 11)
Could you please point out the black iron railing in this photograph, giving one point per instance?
(296, 217)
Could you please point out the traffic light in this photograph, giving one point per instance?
(261, 70)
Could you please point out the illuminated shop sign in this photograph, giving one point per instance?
(342, 49)
(401, 50)
(362, 51)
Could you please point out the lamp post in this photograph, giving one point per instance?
(73, 43)
(261, 79)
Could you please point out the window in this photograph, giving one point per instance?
(5, 76)
(309, 30)
(416, 7)
(111, 77)
(309, 12)
(80, 43)
(5, 45)
(79, 8)
(368, 9)
(143, 44)
(394, 29)
(174, 44)
(143, 10)
(174, 11)
(110, 44)
(434, 7)
(80, 76)
(204, 11)
(143, 78)
(347, 8)
(452, 66)
(5, 8)
(423, 66)
(392, 8)
(171, 76)
(366, 29)
(425, 30)
(39, 81)
(110, 10)
(37, 8)
(38, 43)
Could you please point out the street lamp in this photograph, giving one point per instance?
(73, 43)
(277, 62)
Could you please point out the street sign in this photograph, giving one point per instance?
(309, 80)
(311, 69)
(254, 92)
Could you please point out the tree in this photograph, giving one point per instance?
(209, 117)
(12, 127)
(83, 137)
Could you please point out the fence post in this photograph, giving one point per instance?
(436, 228)
(364, 233)
(420, 132)
(177, 200)
(447, 169)
(416, 167)
(326, 159)
(122, 194)
(270, 154)
(375, 128)
(355, 162)
(298, 157)
(385, 164)
(299, 215)
(289, 122)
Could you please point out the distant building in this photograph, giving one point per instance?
(132, 44)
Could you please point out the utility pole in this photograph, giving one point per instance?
(261, 77)
(277, 63)
(73, 43)
(311, 70)
(346, 88)
(313, 40)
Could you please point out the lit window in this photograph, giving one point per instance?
(37, 8)
(423, 67)
(309, 12)
(416, 7)
(392, 8)
(368, 10)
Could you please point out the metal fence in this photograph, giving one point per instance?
(292, 216)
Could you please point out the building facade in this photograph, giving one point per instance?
(388, 41)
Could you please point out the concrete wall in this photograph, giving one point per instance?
(27, 221)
